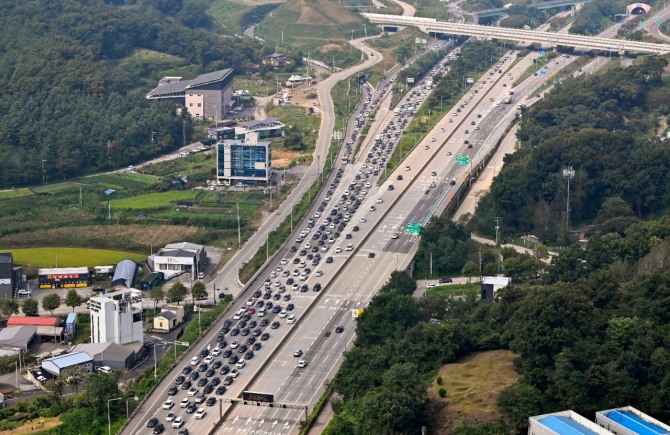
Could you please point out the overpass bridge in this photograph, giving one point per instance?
(548, 39)
(487, 13)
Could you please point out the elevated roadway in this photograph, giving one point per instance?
(431, 25)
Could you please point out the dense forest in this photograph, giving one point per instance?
(592, 336)
(603, 126)
(70, 104)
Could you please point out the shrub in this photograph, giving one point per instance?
(439, 380)
(442, 393)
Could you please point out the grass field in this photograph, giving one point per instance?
(70, 257)
(15, 193)
(36, 425)
(472, 385)
(448, 291)
(123, 180)
(155, 200)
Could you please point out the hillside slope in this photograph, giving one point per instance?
(70, 102)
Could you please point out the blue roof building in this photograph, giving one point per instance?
(56, 364)
(563, 423)
(71, 322)
(630, 421)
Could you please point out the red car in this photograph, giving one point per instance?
(251, 310)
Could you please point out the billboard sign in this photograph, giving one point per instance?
(257, 397)
(410, 80)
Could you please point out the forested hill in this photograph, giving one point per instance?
(70, 99)
(603, 126)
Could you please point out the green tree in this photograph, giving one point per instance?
(100, 387)
(72, 299)
(50, 302)
(517, 403)
(199, 291)
(157, 294)
(177, 293)
(470, 269)
(9, 307)
(30, 307)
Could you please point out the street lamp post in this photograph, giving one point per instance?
(568, 174)
(109, 417)
(135, 398)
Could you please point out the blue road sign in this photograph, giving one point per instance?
(543, 72)
(542, 52)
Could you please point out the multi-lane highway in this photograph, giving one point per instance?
(362, 274)
(349, 270)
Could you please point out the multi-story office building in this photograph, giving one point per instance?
(244, 161)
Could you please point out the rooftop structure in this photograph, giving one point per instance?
(630, 421)
(564, 423)
(16, 337)
(124, 275)
(176, 258)
(57, 364)
(244, 162)
(206, 96)
(33, 321)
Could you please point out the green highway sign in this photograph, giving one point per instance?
(413, 227)
(659, 22)
(463, 160)
(641, 23)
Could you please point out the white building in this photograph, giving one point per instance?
(629, 421)
(117, 317)
(563, 422)
(491, 284)
(178, 257)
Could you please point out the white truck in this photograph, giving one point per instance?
(508, 99)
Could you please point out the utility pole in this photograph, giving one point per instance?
(430, 266)
(267, 246)
(81, 200)
(481, 276)
(497, 219)
(568, 174)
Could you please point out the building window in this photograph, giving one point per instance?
(190, 104)
(199, 105)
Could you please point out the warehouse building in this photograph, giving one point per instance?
(124, 275)
(243, 161)
(563, 423)
(269, 128)
(207, 96)
(491, 284)
(64, 277)
(112, 355)
(117, 317)
(57, 364)
(16, 338)
(630, 421)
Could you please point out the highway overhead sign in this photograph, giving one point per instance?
(463, 160)
(257, 397)
(413, 228)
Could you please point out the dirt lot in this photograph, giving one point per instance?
(472, 385)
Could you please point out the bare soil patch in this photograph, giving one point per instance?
(282, 159)
(309, 15)
(472, 385)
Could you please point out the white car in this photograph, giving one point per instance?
(168, 404)
(216, 351)
(235, 344)
(319, 273)
(291, 319)
(193, 391)
(234, 373)
(200, 413)
(302, 364)
(195, 360)
(184, 403)
(105, 369)
(171, 416)
(209, 359)
(394, 236)
(178, 422)
(350, 247)
(241, 363)
(24, 292)
(283, 314)
(338, 250)
(284, 261)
